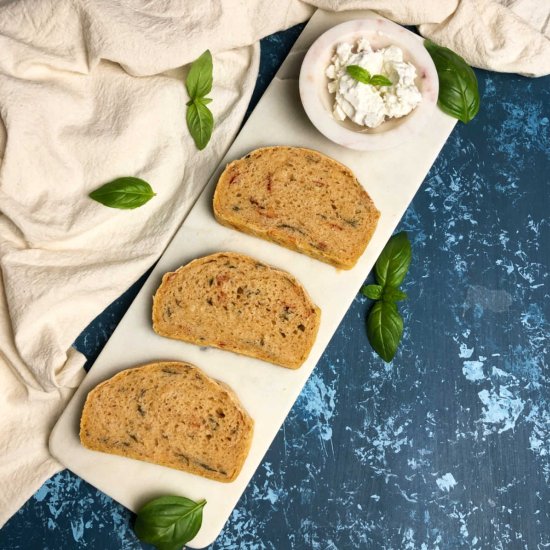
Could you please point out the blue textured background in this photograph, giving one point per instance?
(446, 448)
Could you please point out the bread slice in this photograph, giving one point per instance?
(300, 199)
(233, 302)
(172, 414)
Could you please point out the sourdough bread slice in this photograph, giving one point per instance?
(233, 302)
(300, 199)
(172, 414)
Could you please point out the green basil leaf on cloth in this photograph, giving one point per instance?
(199, 78)
(200, 122)
(125, 193)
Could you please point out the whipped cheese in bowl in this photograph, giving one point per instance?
(397, 95)
(367, 104)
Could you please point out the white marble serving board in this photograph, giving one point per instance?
(391, 177)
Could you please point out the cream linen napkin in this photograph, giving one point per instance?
(91, 90)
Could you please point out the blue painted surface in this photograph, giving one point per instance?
(449, 446)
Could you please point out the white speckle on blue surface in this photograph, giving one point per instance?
(501, 409)
(413, 497)
(463, 528)
(77, 528)
(446, 482)
(539, 419)
(473, 370)
(386, 437)
(318, 401)
(465, 351)
(499, 372)
(495, 300)
(42, 493)
(408, 540)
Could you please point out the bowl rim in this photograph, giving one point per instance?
(312, 76)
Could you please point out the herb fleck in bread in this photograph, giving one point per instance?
(233, 302)
(300, 199)
(172, 414)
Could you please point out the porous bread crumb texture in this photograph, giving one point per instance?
(300, 199)
(233, 302)
(172, 414)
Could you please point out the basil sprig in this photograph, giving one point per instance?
(200, 120)
(169, 522)
(384, 323)
(125, 193)
(458, 91)
(362, 75)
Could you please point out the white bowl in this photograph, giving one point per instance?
(318, 102)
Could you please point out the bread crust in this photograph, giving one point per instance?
(233, 302)
(300, 199)
(150, 400)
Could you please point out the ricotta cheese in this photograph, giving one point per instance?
(366, 104)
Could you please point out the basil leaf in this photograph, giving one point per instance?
(200, 122)
(203, 100)
(169, 522)
(374, 292)
(391, 294)
(458, 91)
(384, 329)
(393, 264)
(380, 80)
(199, 78)
(358, 73)
(199, 83)
(124, 193)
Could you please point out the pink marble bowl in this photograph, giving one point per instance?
(318, 102)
